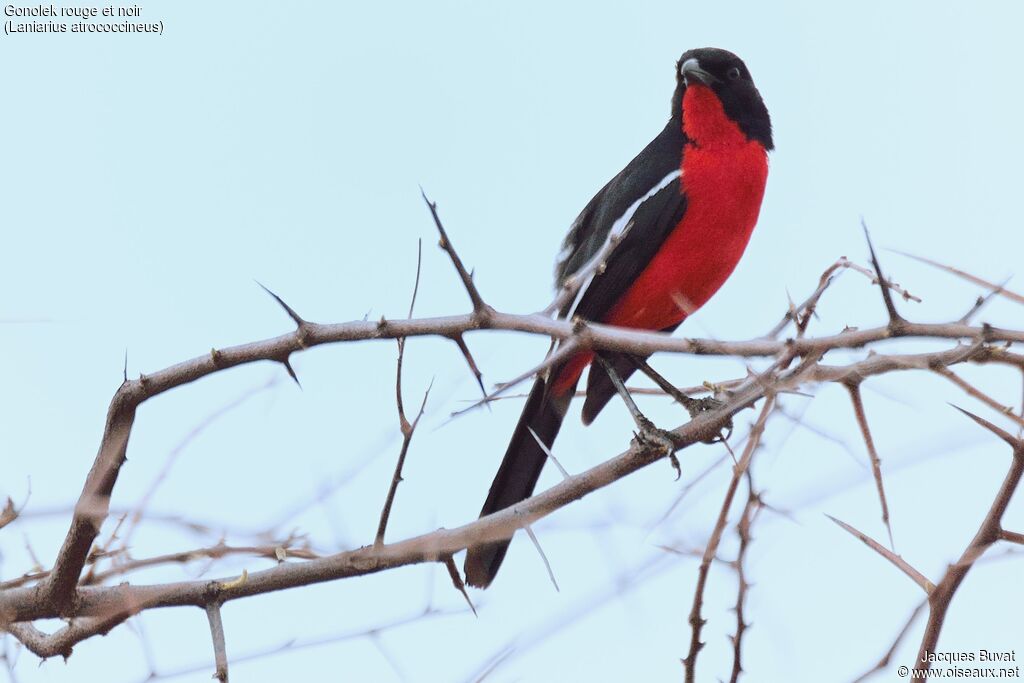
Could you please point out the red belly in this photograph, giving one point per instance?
(724, 188)
(724, 185)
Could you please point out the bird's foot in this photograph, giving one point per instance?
(655, 438)
(696, 406)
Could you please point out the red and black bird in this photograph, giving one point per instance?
(684, 209)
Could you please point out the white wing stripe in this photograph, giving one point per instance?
(619, 228)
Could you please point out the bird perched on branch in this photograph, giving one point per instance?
(682, 213)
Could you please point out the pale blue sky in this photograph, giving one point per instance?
(146, 182)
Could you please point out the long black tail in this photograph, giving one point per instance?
(518, 474)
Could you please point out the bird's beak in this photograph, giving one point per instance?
(692, 72)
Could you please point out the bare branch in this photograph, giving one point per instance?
(220, 653)
(137, 512)
(1011, 536)
(572, 284)
(296, 318)
(696, 621)
(453, 572)
(998, 289)
(981, 302)
(95, 609)
(561, 354)
(408, 429)
(416, 284)
(295, 644)
(895, 319)
(750, 511)
(8, 514)
(22, 604)
(801, 315)
(62, 641)
(887, 657)
(480, 308)
(876, 463)
(1013, 442)
(57, 592)
(547, 452)
(988, 533)
(540, 551)
(460, 341)
(270, 552)
(974, 392)
(873, 276)
(897, 561)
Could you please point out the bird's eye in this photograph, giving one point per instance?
(733, 73)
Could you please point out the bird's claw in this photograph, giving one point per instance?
(653, 437)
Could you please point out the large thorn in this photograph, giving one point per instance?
(479, 306)
(895, 319)
(296, 318)
(1014, 442)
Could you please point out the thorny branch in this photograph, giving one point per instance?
(747, 518)
(739, 470)
(407, 428)
(901, 564)
(220, 653)
(990, 532)
(876, 462)
(92, 609)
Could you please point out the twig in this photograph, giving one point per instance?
(22, 604)
(62, 641)
(876, 462)
(460, 341)
(8, 514)
(873, 276)
(301, 330)
(270, 552)
(750, 512)
(59, 593)
(897, 561)
(543, 556)
(480, 308)
(693, 483)
(547, 451)
(416, 281)
(981, 302)
(561, 354)
(887, 657)
(988, 533)
(895, 319)
(973, 391)
(696, 621)
(453, 572)
(139, 509)
(293, 645)
(407, 428)
(571, 286)
(1011, 536)
(998, 289)
(220, 653)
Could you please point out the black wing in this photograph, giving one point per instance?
(592, 227)
(652, 222)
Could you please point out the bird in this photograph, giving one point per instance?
(683, 211)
